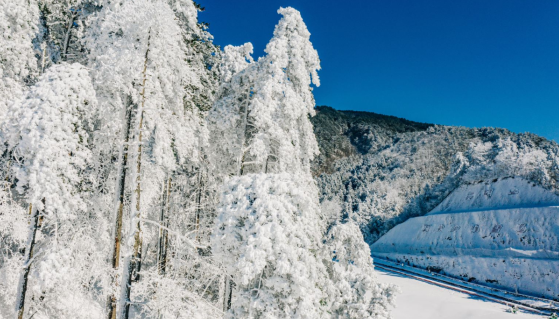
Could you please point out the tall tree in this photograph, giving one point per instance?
(166, 128)
(272, 216)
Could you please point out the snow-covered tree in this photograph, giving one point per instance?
(268, 238)
(268, 103)
(146, 66)
(354, 291)
(13, 231)
(229, 116)
(269, 231)
(47, 137)
(64, 24)
(283, 100)
(269, 227)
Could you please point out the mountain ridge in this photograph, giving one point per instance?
(380, 170)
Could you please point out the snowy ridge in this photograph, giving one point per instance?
(516, 249)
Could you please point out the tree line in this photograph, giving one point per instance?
(147, 173)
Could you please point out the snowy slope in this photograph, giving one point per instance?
(511, 248)
(504, 193)
(420, 300)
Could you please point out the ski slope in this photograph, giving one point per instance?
(421, 300)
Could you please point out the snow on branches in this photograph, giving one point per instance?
(163, 168)
(46, 133)
(266, 236)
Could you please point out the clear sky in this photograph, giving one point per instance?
(472, 63)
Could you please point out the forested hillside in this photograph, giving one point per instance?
(380, 170)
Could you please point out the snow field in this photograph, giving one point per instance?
(420, 300)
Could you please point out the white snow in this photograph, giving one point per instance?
(514, 248)
(501, 194)
(420, 300)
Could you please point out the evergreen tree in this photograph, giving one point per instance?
(269, 224)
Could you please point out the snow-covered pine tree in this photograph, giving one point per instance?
(268, 238)
(46, 135)
(283, 99)
(269, 231)
(269, 227)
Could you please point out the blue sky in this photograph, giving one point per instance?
(472, 63)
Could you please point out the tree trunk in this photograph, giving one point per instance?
(133, 265)
(245, 136)
(228, 293)
(120, 205)
(22, 289)
(163, 236)
(199, 204)
(67, 38)
(228, 282)
(44, 57)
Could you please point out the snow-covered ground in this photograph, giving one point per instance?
(496, 233)
(420, 300)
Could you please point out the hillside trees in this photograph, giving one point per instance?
(159, 131)
(113, 167)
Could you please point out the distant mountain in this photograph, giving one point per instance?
(342, 134)
(380, 170)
